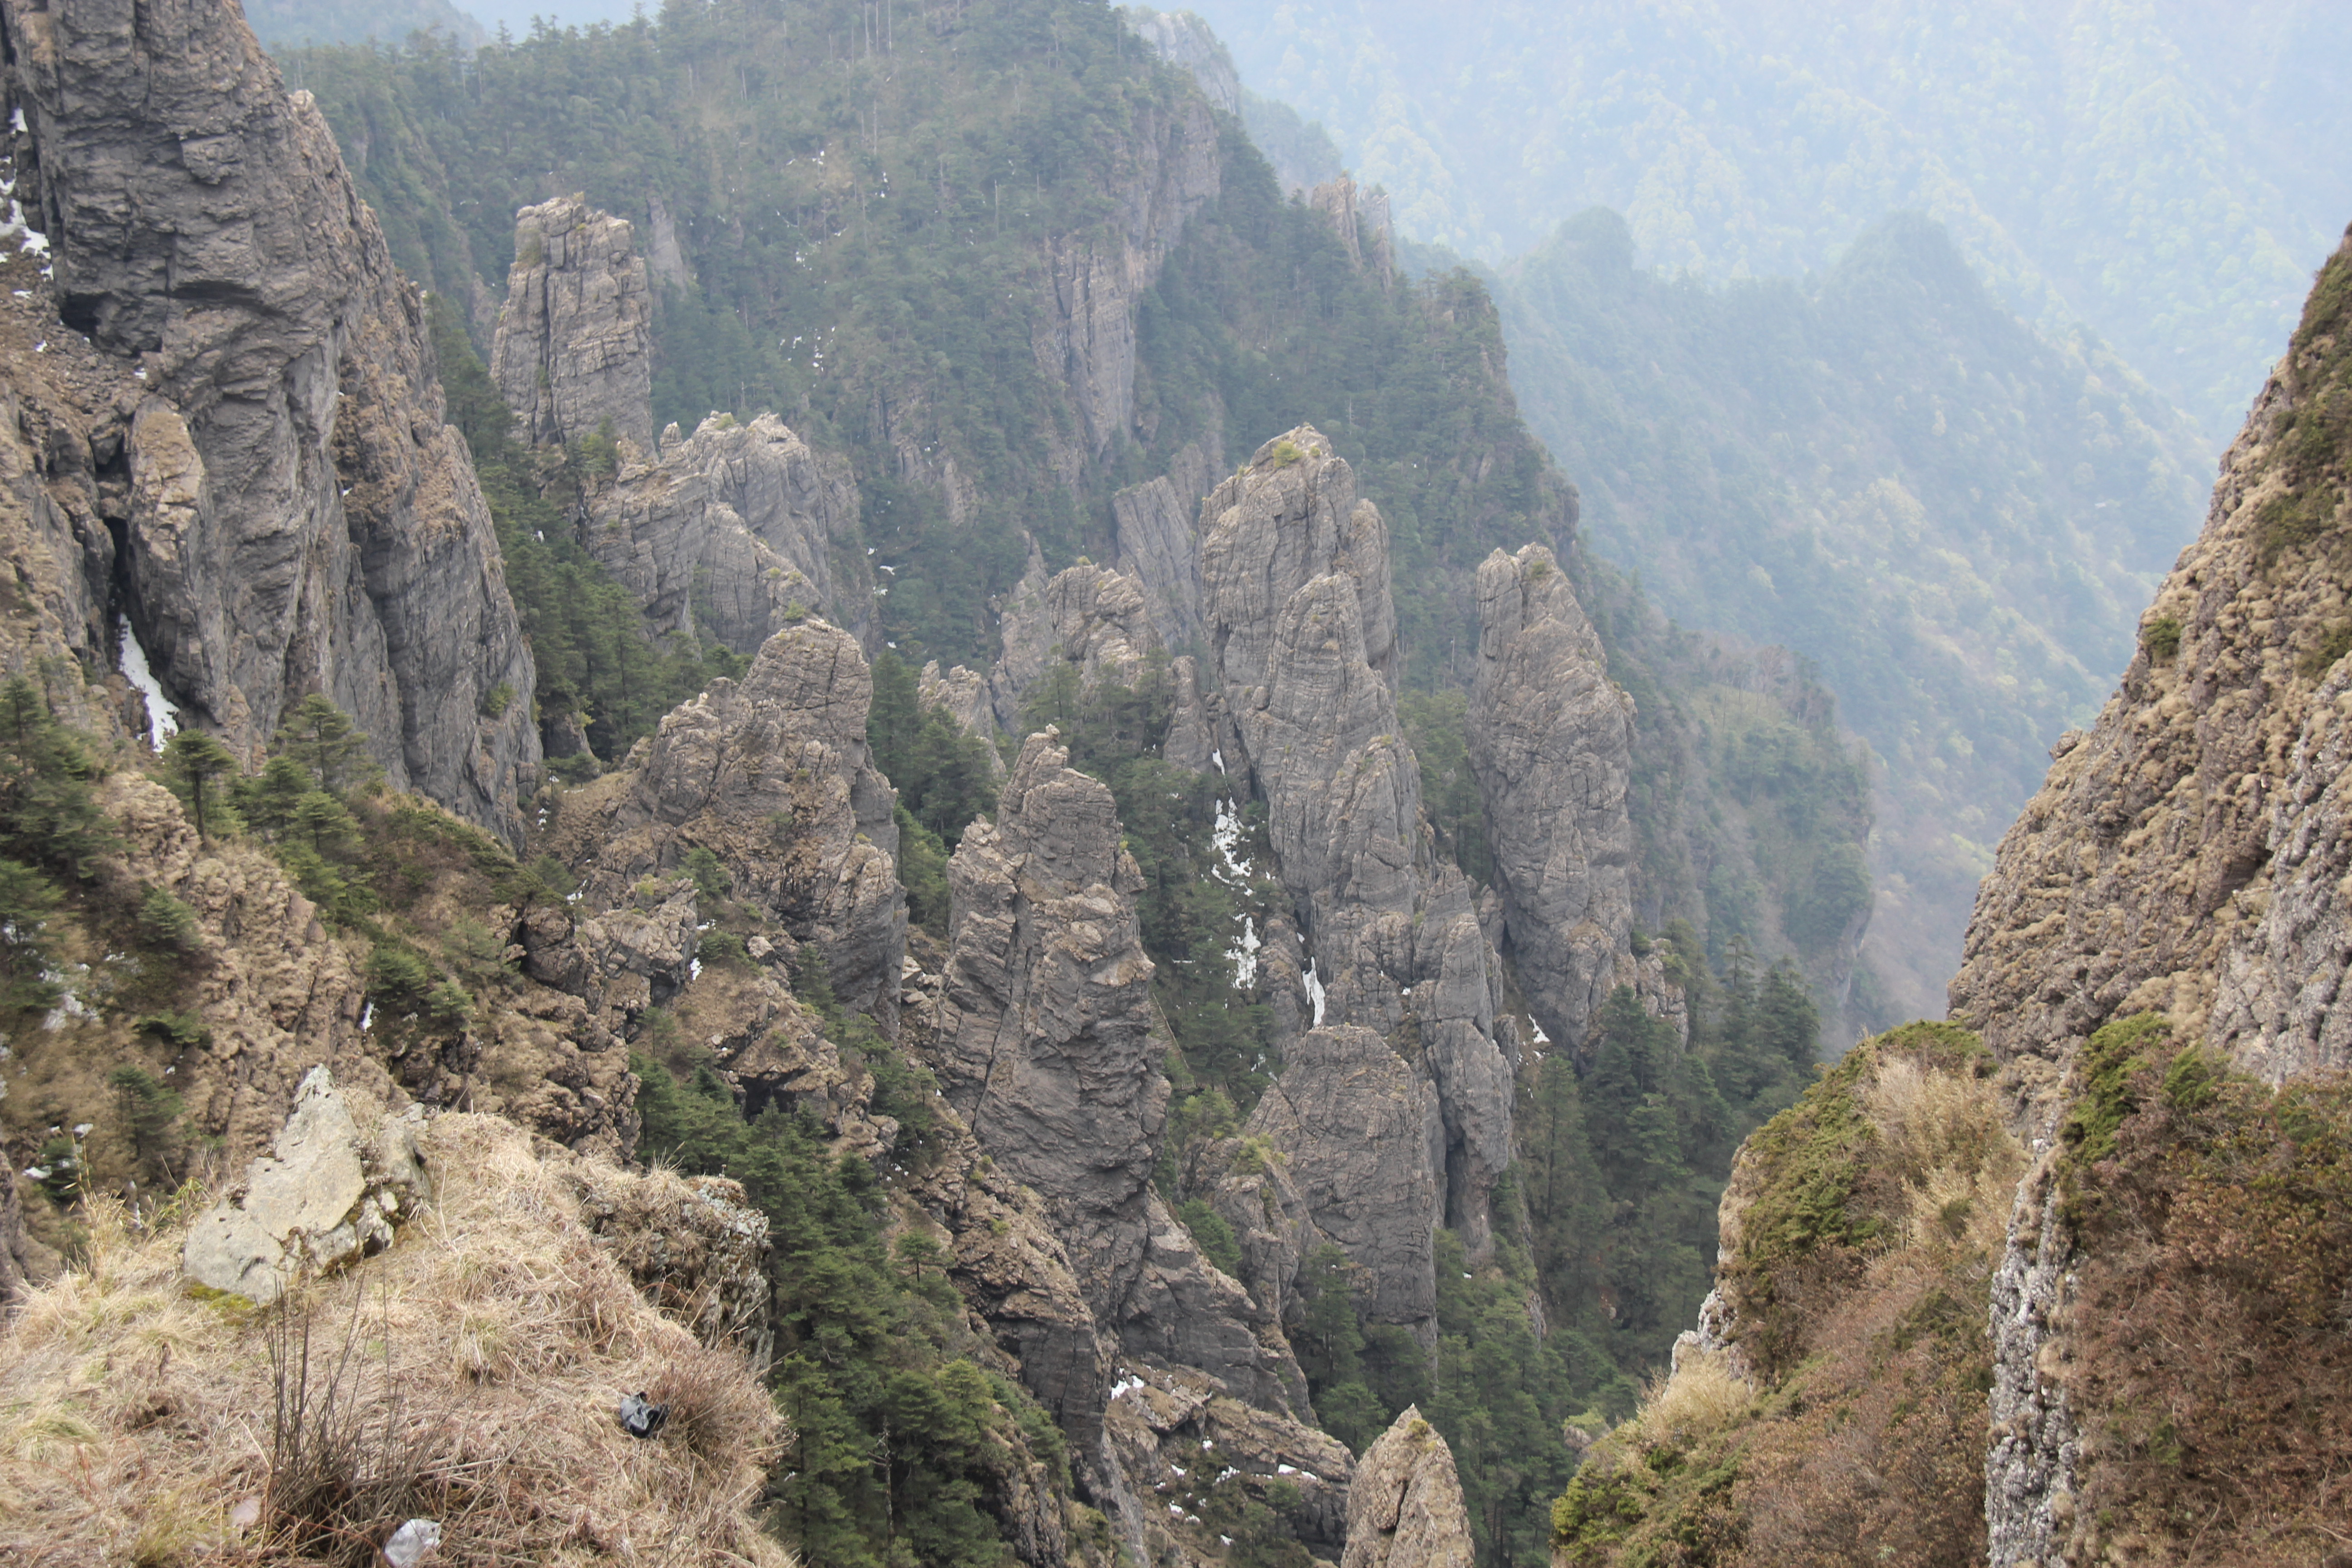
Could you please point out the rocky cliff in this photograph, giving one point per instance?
(2183, 862)
(2132, 1200)
(1551, 739)
(772, 776)
(2179, 857)
(1047, 1042)
(732, 532)
(574, 354)
(299, 517)
(1302, 644)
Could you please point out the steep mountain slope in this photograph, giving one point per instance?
(2154, 172)
(2154, 967)
(1880, 468)
(1077, 1248)
(299, 517)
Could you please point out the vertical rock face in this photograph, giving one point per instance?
(1302, 639)
(1365, 1147)
(302, 518)
(729, 532)
(1405, 1508)
(1047, 1042)
(1093, 620)
(773, 774)
(2186, 856)
(1552, 741)
(1152, 531)
(575, 345)
(1185, 41)
(1085, 338)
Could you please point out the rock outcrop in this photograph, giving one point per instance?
(1047, 1043)
(1155, 541)
(1550, 738)
(732, 533)
(1405, 1508)
(2182, 856)
(327, 1192)
(1163, 169)
(300, 518)
(1302, 639)
(773, 774)
(1365, 1146)
(729, 533)
(1093, 621)
(2185, 858)
(574, 354)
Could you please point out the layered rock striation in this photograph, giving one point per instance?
(773, 776)
(573, 353)
(1550, 739)
(300, 518)
(1302, 651)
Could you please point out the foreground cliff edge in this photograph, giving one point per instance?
(2070, 1284)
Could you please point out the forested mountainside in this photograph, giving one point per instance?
(2064, 1280)
(900, 633)
(2162, 173)
(1878, 467)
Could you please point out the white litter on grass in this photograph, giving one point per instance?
(163, 719)
(1315, 991)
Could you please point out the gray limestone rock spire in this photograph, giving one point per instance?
(1302, 641)
(303, 519)
(574, 354)
(1550, 739)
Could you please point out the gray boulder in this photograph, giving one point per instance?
(327, 1192)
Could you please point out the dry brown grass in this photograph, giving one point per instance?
(1862, 1443)
(468, 1373)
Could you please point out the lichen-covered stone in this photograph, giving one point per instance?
(327, 1191)
(1405, 1507)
